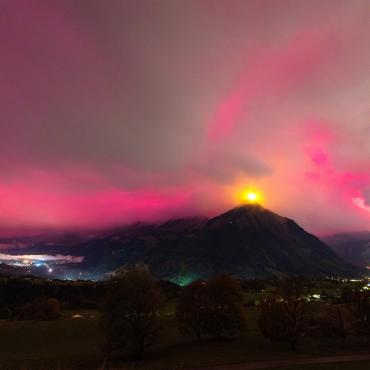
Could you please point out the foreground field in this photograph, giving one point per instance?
(75, 340)
(64, 340)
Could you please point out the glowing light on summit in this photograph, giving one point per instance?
(252, 196)
(247, 194)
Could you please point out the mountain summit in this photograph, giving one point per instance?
(248, 241)
(256, 242)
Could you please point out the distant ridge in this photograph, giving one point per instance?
(353, 247)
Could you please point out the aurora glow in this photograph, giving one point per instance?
(117, 111)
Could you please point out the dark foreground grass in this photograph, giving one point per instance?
(75, 343)
(66, 340)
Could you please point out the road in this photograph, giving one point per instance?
(287, 363)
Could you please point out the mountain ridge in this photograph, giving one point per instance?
(353, 247)
(247, 241)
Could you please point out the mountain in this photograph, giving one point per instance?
(247, 242)
(353, 247)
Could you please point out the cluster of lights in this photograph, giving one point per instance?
(39, 261)
(50, 264)
(31, 263)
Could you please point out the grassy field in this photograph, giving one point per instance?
(75, 343)
(66, 339)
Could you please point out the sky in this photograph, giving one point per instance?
(118, 111)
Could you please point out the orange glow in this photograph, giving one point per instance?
(251, 196)
(243, 193)
(248, 195)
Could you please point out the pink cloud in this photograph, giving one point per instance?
(115, 113)
(23, 205)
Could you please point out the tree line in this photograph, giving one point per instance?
(134, 316)
(18, 292)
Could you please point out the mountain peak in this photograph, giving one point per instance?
(249, 207)
(251, 216)
(248, 241)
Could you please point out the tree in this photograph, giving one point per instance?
(131, 313)
(226, 312)
(293, 288)
(363, 317)
(282, 320)
(192, 309)
(336, 320)
(347, 315)
(358, 303)
(213, 308)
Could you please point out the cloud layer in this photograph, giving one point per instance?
(124, 110)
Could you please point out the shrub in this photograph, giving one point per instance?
(5, 313)
(40, 309)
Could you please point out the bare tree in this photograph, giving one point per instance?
(213, 308)
(131, 313)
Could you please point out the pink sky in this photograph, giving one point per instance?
(118, 111)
